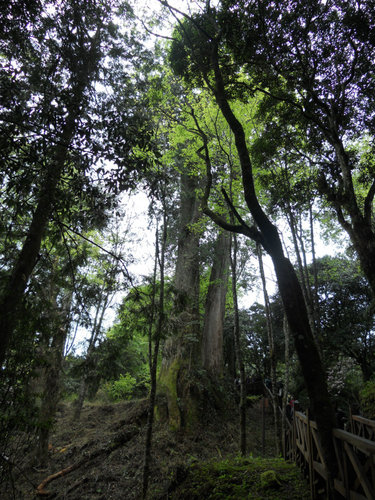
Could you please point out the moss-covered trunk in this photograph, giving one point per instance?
(182, 347)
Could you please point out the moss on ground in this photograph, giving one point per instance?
(240, 478)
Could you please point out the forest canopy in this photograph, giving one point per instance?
(248, 128)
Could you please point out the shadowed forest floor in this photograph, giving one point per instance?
(106, 450)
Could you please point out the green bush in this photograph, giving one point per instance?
(122, 388)
(367, 398)
(142, 387)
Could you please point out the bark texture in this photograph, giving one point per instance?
(272, 355)
(212, 340)
(182, 348)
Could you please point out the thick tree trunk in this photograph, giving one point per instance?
(212, 341)
(181, 352)
(307, 351)
(363, 239)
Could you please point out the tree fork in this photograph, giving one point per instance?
(289, 286)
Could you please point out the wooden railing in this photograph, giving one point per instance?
(363, 427)
(355, 455)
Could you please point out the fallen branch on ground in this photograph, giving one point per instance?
(119, 440)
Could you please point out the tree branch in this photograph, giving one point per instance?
(118, 258)
(250, 231)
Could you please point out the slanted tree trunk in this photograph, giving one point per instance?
(300, 253)
(273, 362)
(182, 348)
(212, 340)
(290, 289)
(14, 288)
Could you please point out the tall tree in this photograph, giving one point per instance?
(79, 59)
(237, 343)
(53, 131)
(198, 54)
(181, 349)
(272, 352)
(292, 194)
(53, 355)
(153, 354)
(313, 63)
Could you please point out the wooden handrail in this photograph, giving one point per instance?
(355, 455)
(363, 420)
(363, 444)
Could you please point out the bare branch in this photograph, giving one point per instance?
(157, 35)
(116, 257)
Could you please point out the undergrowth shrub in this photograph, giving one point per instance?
(367, 399)
(121, 388)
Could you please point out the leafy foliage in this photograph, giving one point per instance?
(122, 388)
(347, 322)
(367, 398)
